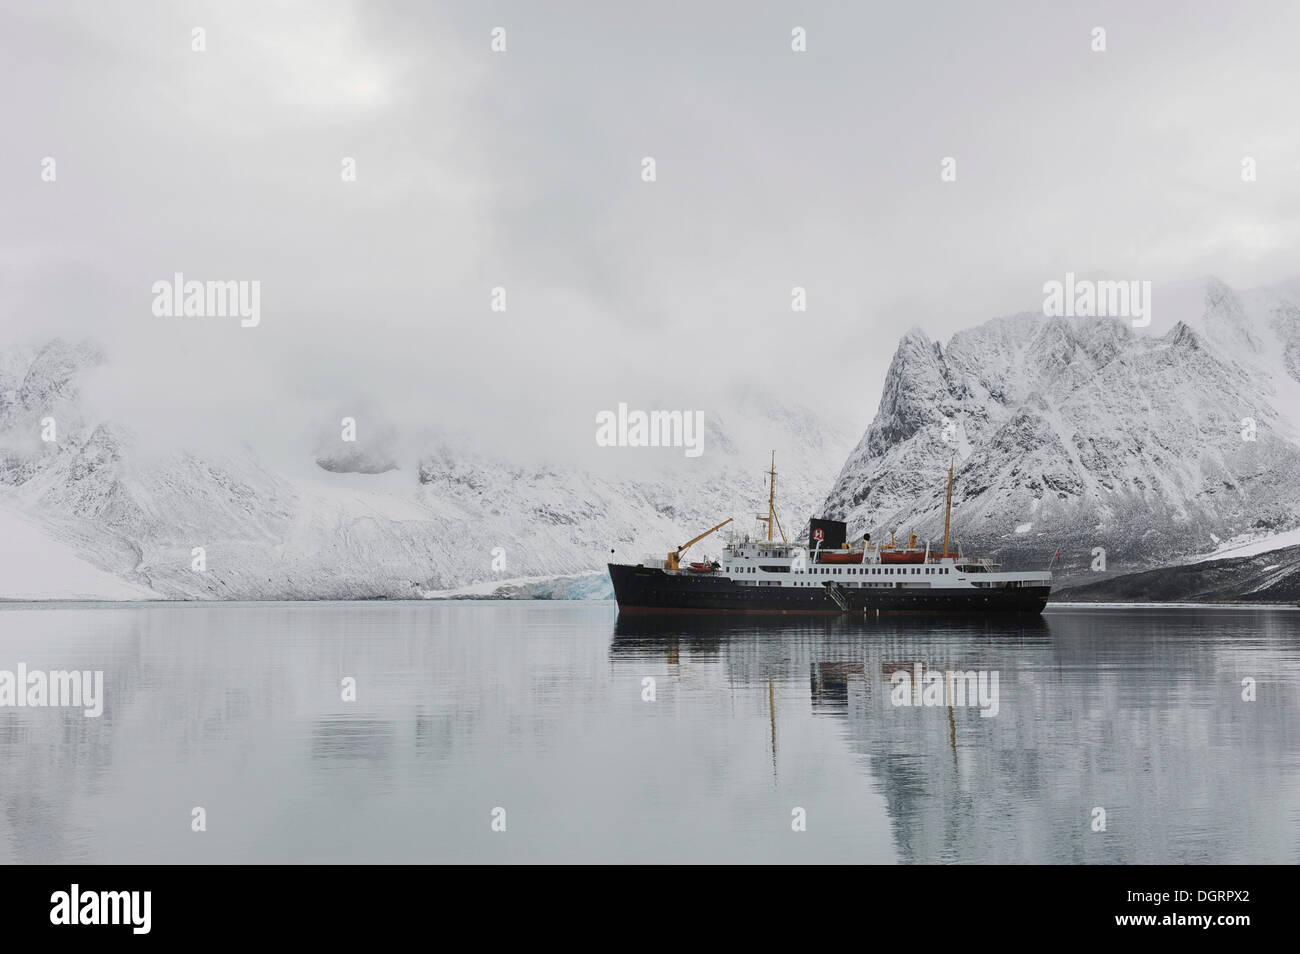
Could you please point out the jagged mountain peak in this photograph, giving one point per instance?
(1184, 335)
(1075, 430)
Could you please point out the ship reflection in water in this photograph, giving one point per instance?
(692, 738)
(1139, 712)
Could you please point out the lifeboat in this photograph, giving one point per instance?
(702, 567)
(902, 556)
(841, 556)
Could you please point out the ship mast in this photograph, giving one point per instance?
(947, 514)
(771, 498)
(772, 519)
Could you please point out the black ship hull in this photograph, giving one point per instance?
(648, 588)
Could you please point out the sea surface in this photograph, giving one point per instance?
(556, 731)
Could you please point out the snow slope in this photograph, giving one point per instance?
(353, 526)
(35, 567)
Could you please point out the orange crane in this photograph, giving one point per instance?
(674, 558)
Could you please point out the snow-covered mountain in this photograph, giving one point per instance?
(1084, 433)
(1067, 434)
(355, 523)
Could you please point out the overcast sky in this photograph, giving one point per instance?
(522, 169)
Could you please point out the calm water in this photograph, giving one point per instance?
(537, 708)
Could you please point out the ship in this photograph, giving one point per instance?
(828, 574)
